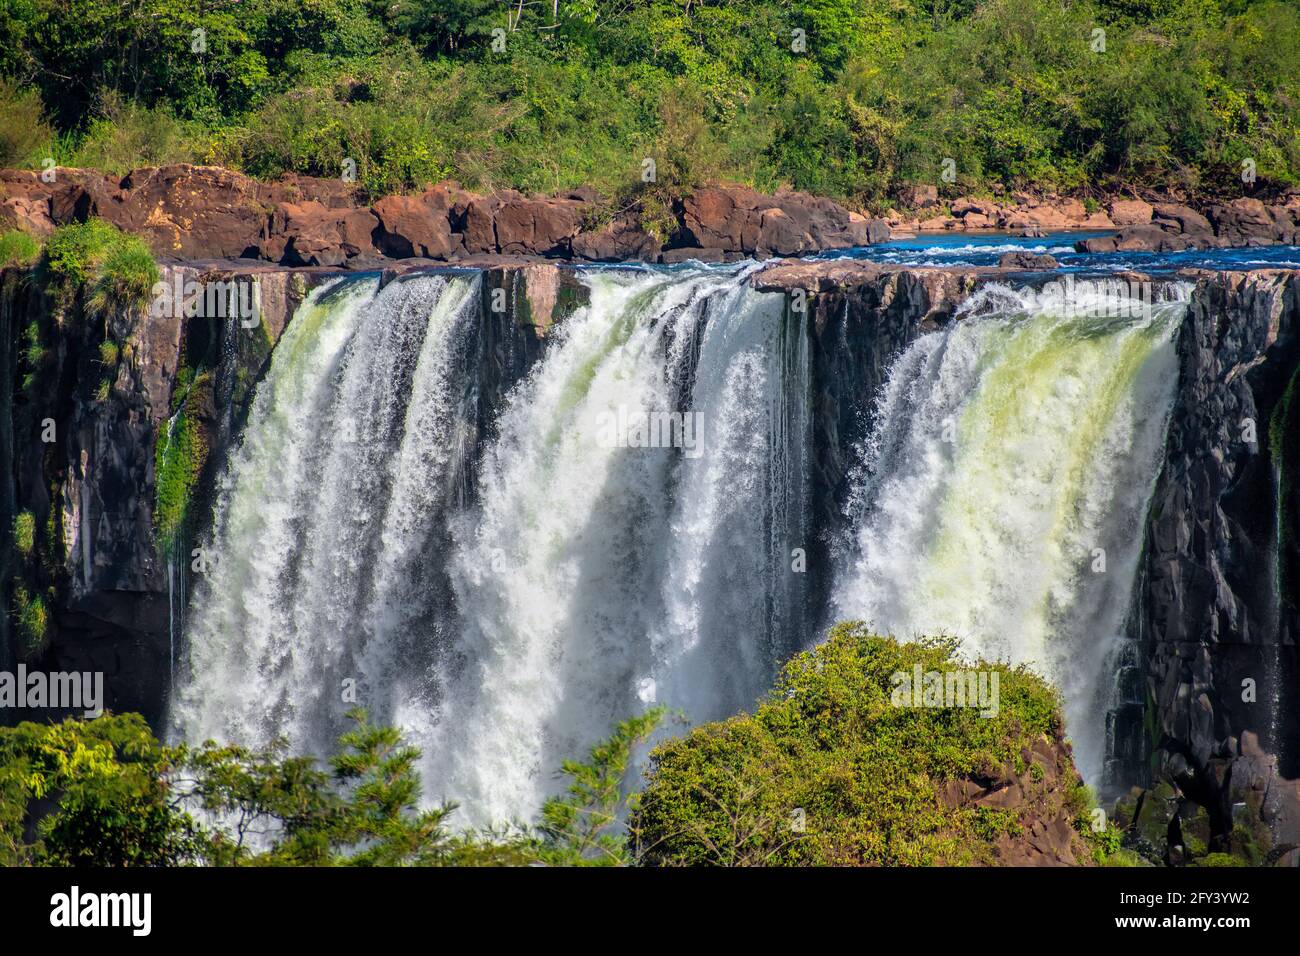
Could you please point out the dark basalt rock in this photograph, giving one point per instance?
(1216, 617)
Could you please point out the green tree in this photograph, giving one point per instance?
(580, 826)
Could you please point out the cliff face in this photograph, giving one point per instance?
(1205, 702)
(114, 430)
(89, 398)
(861, 316)
(1211, 706)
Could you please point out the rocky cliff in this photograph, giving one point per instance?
(96, 525)
(1211, 711)
(189, 213)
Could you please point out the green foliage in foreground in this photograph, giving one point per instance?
(1018, 92)
(117, 797)
(865, 776)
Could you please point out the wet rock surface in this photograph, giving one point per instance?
(1214, 716)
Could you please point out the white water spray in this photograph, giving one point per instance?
(351, 432)
(508, 611)
(1005, 486)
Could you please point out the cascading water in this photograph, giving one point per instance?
(1004, 490)
(599, 573)
(507, 591)
(353, 432)
(593, 570)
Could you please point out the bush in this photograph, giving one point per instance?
(865, 778)
(74, 253)
(110, 801)
(25, 137)
(118, 269)
(126, 278)
(126, 135)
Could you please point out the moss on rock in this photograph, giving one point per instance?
(180, 452)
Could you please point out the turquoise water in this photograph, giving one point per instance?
(984, 249)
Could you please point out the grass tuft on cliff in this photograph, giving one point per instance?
(24, 533)
(179, 454)
(33, 621)
(830, 771)
(18, 249)
(116, 269)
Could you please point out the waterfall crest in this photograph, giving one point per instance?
(507, 591)
(1003, 494)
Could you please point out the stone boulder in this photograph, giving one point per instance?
(919, 196)
(410, 226)
(312, 234)
(1248, 221)
(1130, 212)
(192, 212)
(739, 220)
(1177, 218)
(542, 227)
(1027, 261)
(620, 239)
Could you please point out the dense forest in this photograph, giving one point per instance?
(845, 98)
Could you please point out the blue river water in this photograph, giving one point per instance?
(984, 249)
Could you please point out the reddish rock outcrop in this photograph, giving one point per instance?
(1130, 212)
(735, 220)
(201, 212)
(412, 226)
(1176, 226)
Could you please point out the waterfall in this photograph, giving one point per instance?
(596, 576)
(351, 433)
(630, 528)
(1003, 492)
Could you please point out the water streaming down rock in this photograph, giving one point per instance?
(1003, 493)
(507, 613)
(351, 432)
(508, 590)
(595, 576)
